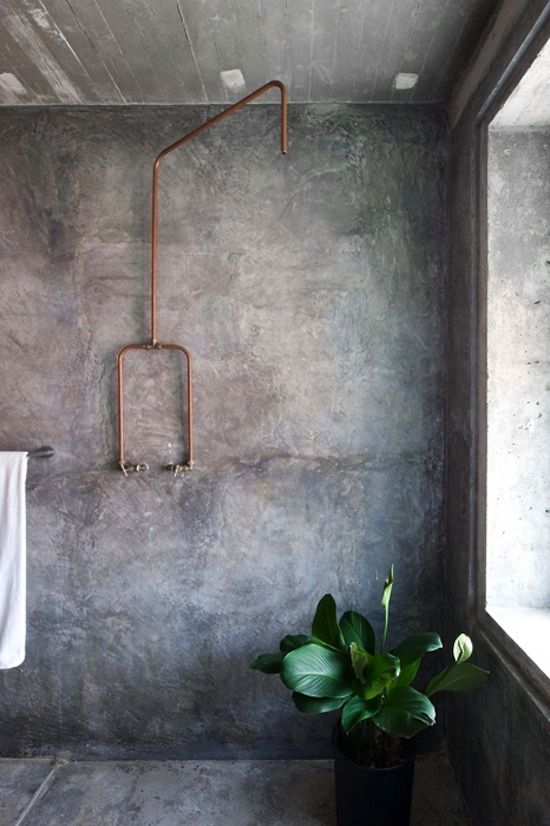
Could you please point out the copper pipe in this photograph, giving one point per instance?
(142, 466)
(186, 138)
(153, 344)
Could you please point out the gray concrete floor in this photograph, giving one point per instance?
(41, 792)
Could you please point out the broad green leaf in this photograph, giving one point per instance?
(406, 675)
(268, 663)
(291, 642)
(380, 671)
(385, 603)
(457, 677)
(317, 672)
(413, 647)
(317, 705)
(318, 641)
(355, 628)
(405, 713)
(325, 623)
(359, 660)
(462, 648)
(357, 710)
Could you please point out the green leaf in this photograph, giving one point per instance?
(359, 660)
(380, 671)
(406, 675)
(317, 705)
(325, 623)
(291, 642)
(317, 641)
(357, 710)
(268, 663)
(413, 647)
(405, 713)
(459, 676)
(462, 648)
(317, 672)
(355, 628)
(385, 603)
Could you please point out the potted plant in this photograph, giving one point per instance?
(338, 667)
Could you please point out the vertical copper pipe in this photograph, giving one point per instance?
(185, 139)
(120, 406)
(189, 400)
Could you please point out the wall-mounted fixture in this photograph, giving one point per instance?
(153, 343)
(405, 80)
(44, 452)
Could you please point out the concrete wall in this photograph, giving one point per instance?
(309, 289)
(518, 347)
(498, 736)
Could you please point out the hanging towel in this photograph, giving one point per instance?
(13, 558)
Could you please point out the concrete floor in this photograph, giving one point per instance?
(41, 792)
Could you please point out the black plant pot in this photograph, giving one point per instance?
(368, 796)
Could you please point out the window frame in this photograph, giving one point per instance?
(514, 657)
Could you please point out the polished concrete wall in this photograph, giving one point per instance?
(310, 292)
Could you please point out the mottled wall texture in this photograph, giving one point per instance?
(309, 290)
(499, 736)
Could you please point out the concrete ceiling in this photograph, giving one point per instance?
(195, 51)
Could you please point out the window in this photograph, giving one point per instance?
(517, 472)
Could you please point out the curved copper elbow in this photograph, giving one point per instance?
(185, 139)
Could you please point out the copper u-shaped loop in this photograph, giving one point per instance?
(153, 343)
(126, 466)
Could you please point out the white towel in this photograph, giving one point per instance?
(13, 558)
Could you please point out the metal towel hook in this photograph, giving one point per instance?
(187, 464)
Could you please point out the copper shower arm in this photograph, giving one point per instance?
(153, 344)
(185, 139)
